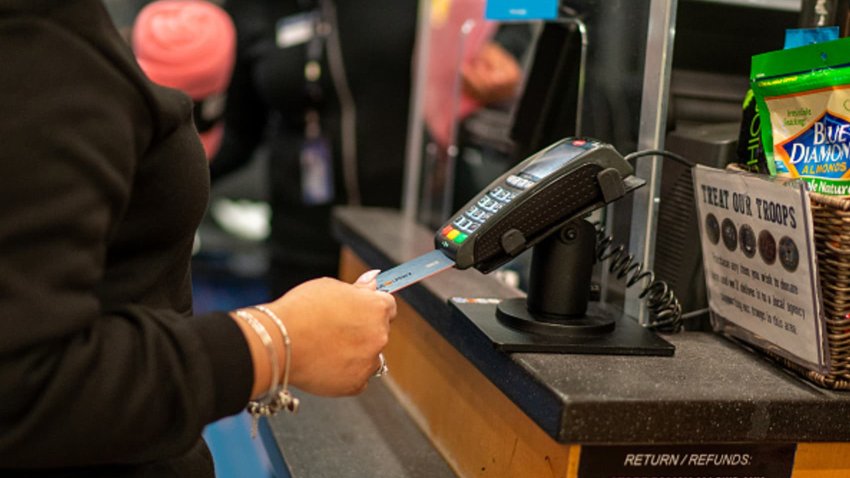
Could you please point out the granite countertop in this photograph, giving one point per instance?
(710, 390)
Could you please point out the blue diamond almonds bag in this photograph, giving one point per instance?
(804, 95)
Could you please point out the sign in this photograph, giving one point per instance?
(759, 258)
(687, 461)
(521, 10)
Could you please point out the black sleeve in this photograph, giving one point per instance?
(245, 113)
(80, 385)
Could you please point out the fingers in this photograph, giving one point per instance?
(390, 304)
(367, 281)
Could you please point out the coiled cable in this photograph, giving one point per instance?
(666, 311)
(660, 299)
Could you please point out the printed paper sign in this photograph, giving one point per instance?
(521, 9)
(687, 461)
(759, 257)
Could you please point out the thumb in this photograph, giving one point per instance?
(367, 279)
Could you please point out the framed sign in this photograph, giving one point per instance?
(760, 264)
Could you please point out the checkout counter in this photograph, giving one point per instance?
(453, 405)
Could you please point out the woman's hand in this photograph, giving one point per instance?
(337, 331)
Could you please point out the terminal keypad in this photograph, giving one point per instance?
(471, 219)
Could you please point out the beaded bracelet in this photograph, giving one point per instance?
(258, 408)
(283, 398)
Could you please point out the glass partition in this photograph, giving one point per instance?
(582, 74)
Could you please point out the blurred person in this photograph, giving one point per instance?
(105, 372)
(467, 67)
(189, 45)
(324, 87)
(473, 78)
(492, 80)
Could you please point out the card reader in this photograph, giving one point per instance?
(564, 181)
(541, 202)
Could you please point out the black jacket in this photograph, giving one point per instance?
(103, 371)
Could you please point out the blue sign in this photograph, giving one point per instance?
(521, 9)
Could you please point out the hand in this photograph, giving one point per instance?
(337, 331)
(493, 75)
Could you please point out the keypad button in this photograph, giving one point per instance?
(516, 182)
(453, 234)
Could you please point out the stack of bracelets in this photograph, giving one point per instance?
(278, 396)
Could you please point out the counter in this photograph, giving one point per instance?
(528, 414)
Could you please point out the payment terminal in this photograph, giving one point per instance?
(564, 181)
(543, 201)
(567, 180)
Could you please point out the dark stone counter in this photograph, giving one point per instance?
(711, 390)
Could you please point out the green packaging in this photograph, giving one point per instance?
(803, 94)
(750, 151)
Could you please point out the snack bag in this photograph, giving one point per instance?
(803, 94)
(750, 150)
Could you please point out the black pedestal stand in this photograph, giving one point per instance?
(557, 315)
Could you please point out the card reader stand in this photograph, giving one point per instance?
(557, 315)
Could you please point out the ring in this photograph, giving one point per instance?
(383, 369)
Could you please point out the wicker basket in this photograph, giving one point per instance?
(831, 217)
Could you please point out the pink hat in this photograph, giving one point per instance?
(189, 45)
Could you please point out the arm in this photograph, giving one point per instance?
(85, 383)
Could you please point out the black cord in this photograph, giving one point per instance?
(660, 152)
(660, 299)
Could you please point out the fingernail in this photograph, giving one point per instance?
(368, 276)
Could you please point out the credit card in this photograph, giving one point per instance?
(413, 271)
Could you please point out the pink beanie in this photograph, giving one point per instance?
(189, 45)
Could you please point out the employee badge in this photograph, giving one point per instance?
(317, 177)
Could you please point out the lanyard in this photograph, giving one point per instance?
(313, 64)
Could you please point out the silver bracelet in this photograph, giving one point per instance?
(283, 399)
(258, 408)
